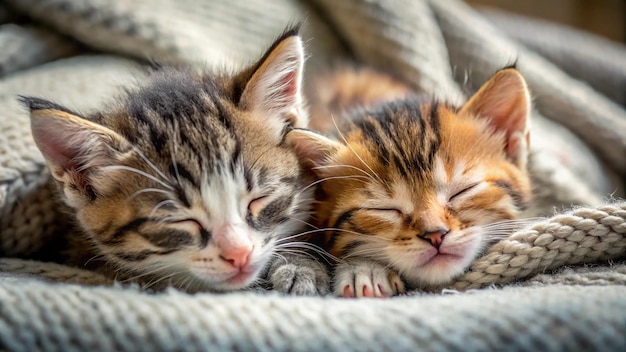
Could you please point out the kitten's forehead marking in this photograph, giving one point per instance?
(221, 191)
(442, 180)
(404, 196)
(458, 171)
(460, 177)
(468, 177)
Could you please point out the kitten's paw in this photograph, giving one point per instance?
(303, 279)
(366, 279)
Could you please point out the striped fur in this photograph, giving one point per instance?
(187, 178)
(412, 184)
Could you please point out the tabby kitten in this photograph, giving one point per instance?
(188, 178)
(413, 189)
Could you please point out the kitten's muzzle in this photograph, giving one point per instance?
(234, 244)
(435, 237)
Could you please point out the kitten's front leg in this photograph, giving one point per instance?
(366, 278)
(298, 274)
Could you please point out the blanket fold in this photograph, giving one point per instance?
(114, 319)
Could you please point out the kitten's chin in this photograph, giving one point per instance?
(236, 281)
(438, 270)
(241, 280)
(439, 267)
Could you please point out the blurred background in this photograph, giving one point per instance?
(603, 17)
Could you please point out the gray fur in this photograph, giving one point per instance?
(299, 275)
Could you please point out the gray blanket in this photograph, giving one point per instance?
(558, 284)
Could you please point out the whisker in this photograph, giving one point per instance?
(173, 157)
(93, 258)
(302, 221)
(133, 278)
(375, 238)
(369, 253)
(306, 245)
(372, 237)
(300, 234)
(345, 140)
(155, 268)
(146, 190)
(140, 172)
(345, 166)
(333, 178)
(191, 280)
(159, 205)
(496, 237)
(515, 222)
(146, 273)
(276, 254)
(502, 229)
(293, 251)
(182, 282)
(154, 282)
(156, 169)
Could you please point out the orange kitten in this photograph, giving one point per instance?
(413, 190)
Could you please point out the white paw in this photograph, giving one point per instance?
(366, 279)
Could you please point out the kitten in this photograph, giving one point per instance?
(188, 179)
(413, 189)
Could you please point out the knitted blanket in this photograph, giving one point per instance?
(558, 284)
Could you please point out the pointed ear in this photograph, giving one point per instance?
(73, 147)
(275, 82)
(313, 149)
(504, 101)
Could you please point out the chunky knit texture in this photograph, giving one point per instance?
(441, 47)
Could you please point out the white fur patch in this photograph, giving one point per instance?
(366, 278)
(220, 195)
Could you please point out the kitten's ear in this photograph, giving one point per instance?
(504, 101)
(275, 82)
(313, 149)
(73, 147)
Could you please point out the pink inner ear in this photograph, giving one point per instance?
(290, 89)
(510, 115)
(56, 147)
(504, 103)
(289, 82)
(60, 142)
(513, 147)
(312, 149)
(511, 118)
(276, 83)
(308, 151)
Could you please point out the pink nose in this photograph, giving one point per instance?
(234, 244)
(238, 256)
(435, 237)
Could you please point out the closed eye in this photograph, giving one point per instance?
(462, 191)
(256, 206)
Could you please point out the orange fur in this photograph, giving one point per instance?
(338, 91)
(402, 174)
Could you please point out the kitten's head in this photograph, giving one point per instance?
(414, 185)
(187, 178)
